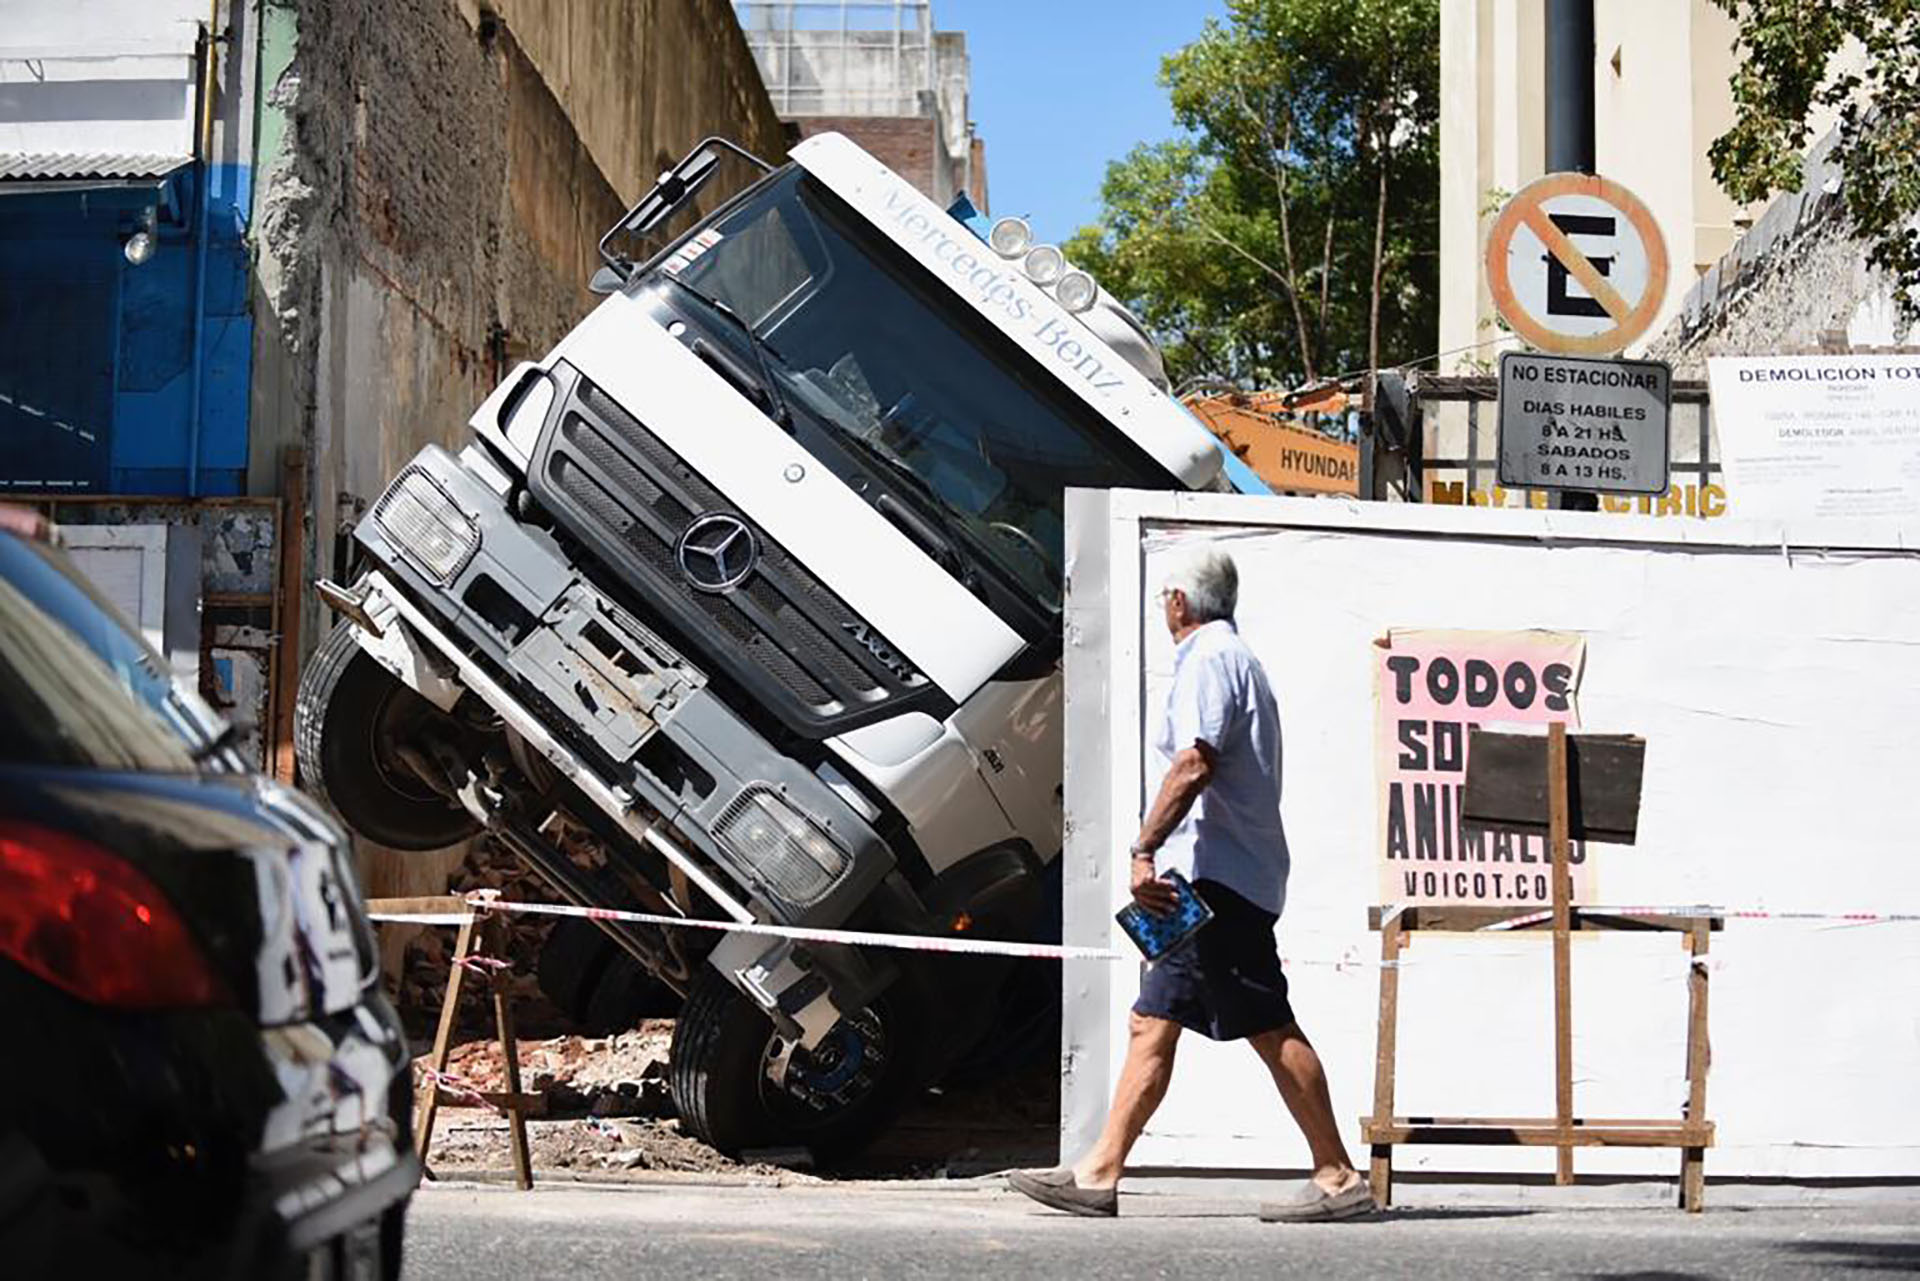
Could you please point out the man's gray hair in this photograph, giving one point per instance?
(1206, 576)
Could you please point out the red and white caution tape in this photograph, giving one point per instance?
(458, 1088)
(804, 934)
(1725, 913)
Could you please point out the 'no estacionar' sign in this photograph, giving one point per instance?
(1594, 425)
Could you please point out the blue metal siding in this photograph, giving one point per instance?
(113, 344)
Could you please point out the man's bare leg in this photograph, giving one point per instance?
(1143, 1083)
(1303, 1087)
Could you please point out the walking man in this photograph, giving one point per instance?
(1216, 820)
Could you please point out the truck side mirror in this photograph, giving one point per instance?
(607, 280)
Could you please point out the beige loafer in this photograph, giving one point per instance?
(1314, 1204)
(1057, 1189)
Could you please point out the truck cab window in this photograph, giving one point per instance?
(875, 354)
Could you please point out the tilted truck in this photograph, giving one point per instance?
(755, 582)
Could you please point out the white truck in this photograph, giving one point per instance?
(755, 581)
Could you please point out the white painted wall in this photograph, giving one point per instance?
(87, 77)
(1775, 688)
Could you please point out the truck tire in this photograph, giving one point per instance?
(716, 1069)
(347, 701)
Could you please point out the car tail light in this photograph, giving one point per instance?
(92, 925)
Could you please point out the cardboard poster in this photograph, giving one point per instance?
(1430, 687)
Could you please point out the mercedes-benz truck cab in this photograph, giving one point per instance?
(755, 581)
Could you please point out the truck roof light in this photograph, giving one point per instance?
(1076, 290)
(1010, 237)
(1044, 264)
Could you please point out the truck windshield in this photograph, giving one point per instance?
(900, 371)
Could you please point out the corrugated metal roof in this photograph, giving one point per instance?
(44, 165)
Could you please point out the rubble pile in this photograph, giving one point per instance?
(423, 977)
(606, 1107)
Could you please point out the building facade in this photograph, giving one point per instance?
(125, 192)
(879, 72)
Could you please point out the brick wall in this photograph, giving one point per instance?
(908, 145)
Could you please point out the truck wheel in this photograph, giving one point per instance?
(835, 1101)
(349, 713)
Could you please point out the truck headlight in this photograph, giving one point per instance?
(423, 521)
(797, 860)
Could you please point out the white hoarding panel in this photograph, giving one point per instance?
(1775, 688)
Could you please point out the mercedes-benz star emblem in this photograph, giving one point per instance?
(716, 552)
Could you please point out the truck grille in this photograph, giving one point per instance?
(780, 632)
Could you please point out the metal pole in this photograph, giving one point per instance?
(1570, 86)
(1570, 121)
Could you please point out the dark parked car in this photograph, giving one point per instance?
(201, 1074)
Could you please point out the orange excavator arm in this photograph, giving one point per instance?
(1291, 459)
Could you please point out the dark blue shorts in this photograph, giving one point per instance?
(1225, 982)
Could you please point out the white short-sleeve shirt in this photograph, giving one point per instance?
(1233, 833)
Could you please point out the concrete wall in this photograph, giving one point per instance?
(642, 80)
(1797, 281)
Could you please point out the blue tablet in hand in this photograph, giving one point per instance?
(1156, 935)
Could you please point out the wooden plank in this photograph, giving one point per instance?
(1631, 1122)
(1557, 840)
(1693, 1159)
(443, 1040)
(531, 1104)
(427, 905)
(500, 982)
(1506, 784)
(1544, 1134)
(286, 654)
(1445, 918)
(1380, 1171)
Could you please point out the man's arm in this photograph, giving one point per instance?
(1187, 777)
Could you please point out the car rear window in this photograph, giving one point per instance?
(77, 688)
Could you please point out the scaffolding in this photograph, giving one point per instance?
(844, 57)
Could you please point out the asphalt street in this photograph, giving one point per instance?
(845, 1231)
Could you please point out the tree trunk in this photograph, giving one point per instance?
(1286, 244)
(1379, 261)
(1326, 273)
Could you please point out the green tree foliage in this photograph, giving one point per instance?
(1861, 60)
(1293, 234)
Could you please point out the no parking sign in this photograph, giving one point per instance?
(1577, 265)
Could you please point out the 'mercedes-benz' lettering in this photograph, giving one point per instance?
(992, 285)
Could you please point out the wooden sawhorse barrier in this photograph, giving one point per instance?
(1692, 1133)
(483, 954)
(1610, 780)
